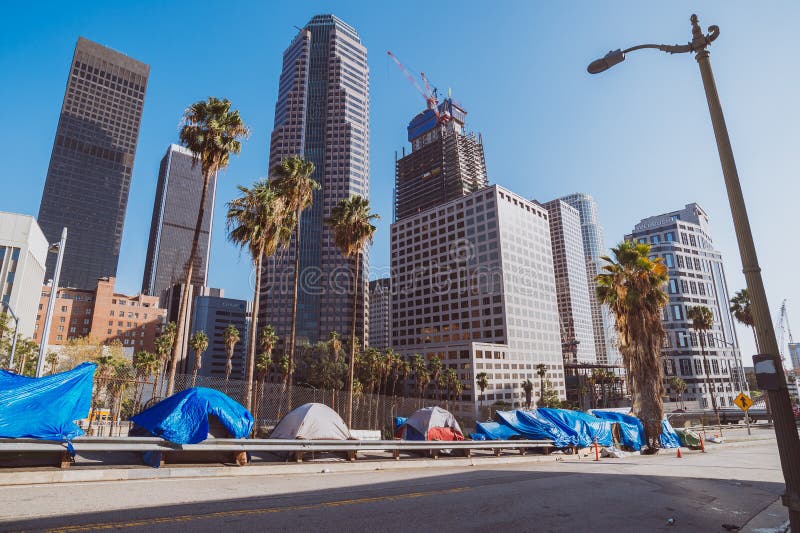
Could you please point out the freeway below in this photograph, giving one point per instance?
(715, 491)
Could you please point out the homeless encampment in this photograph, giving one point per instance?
(494, 431)
(183, 417)
(586, 429)
(431, 423)
(631, 429)
(46, 407)
(532, 425)
(311, 421)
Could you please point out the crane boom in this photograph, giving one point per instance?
(427, 93)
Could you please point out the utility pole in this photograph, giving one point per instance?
(51, 302)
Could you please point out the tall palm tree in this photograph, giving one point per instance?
(482, 381)
(541, 371)
(282, 369)
(292, 179)
(212, 132)
(334, 350)
(198, 343)
(164, 344)
(631, 285)
(679, 386)
(702, 321)
(230, 336)
(743, 312)
(260, 221)
(351, 221)
(267, 339)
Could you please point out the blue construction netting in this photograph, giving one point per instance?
(46, 407)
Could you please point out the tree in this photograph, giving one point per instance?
(292, 179)
(26, 356)
(435, 370)
(541, 371)
(482, 380)
(351, 221)
(631, 285)
(212, 132)
(421, 375)
(230, 336)
(260, 221)
(702, 321)
(679, 386)
(52, 359)
(282, 369)
(527, 386)
(549, 396)
(163, 344)
(145, 364)
(198, 343)
(267, 339)
(743, 312)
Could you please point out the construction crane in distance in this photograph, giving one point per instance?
(783, 325)
(429, 94)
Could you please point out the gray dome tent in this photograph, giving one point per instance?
(312, 421)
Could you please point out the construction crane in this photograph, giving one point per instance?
(429, 94)
(783, 325)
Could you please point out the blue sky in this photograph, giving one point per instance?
(637, 137)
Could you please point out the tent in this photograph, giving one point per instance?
(669, 439)
(431, 423)
(46, 407)
(183, 417)
(532, 425)
(312, 421)
(631, 428)
(494, 431)
(585, 428)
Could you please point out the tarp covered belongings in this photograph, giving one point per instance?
(494, 431)
(311, 421)
(46, 407)
(688, 438)
(585, 428)
(669, 439)
(533, 426)
(631, 428)
(431, 423)
(183, 417)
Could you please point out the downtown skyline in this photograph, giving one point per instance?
(575, 133)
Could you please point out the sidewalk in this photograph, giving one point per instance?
(773, 519)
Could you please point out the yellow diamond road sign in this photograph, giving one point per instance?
(743, 401)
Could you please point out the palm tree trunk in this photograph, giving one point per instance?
(251, 344)
(294, 304)
(352, 371)
(194, 376)
(183, 309)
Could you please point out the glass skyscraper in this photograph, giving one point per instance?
(180, 185)
(91, 163)
(322, 114)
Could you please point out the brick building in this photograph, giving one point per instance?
(103, 315)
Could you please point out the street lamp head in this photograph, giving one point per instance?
(606, 62)
(54, 248)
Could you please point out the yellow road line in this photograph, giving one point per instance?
(253, 512)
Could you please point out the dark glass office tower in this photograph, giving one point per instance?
(445, 163)
(92, 160)
(180, 185)
(322, 113)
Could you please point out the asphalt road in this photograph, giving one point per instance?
(700, 492)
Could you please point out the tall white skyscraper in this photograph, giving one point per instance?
(322, 114)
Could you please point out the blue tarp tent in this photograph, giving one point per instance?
(631, 428)
(531, 425)
(669, 439)
(183, 418)
(46, 407)
(583, 427)
(494, 431)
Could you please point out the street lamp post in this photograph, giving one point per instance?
(785, 427)
(14, 338)
(51, 302)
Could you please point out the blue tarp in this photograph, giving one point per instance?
(46, 407)
(669, 439)
(583, 427)
(183, 418)
(531, 425)
(494, 431)
(631, 428)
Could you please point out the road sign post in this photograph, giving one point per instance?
(744, 403)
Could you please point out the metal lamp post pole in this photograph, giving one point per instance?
(14, 338)
(51, 302)
(785, 426)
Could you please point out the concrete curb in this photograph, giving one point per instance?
(773, 519)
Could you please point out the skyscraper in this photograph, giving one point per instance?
(445, 163)
(322, 113)
(696, 277)
(594, 247)
(180, 185)
(572, 285)
(380, 301)
(92, 160)
(212, 314)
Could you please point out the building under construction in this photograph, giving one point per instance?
(445, 163)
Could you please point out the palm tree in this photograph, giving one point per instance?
(527, 386)
(52, 360)
(164, 343)
(541, 371)
(267, 339)
(631, 285)
(743, 312)
(435, 369)
(263, 363)
(230, 336)
(258, 220)
(282, 369)
(292, 179)
(145, 364)
(482, 380)
(421, 375)
(702, 321)
(198, 343)
(212, 132)
(351, 221)
(679, 386)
